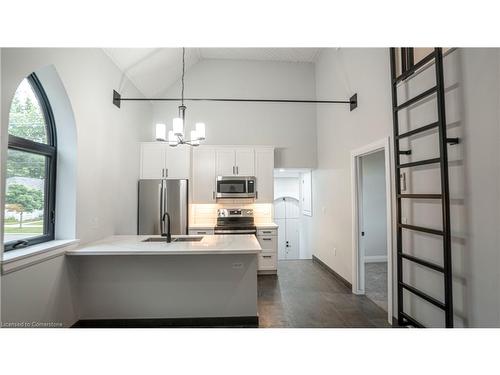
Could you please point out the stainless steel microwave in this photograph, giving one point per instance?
(235, 187)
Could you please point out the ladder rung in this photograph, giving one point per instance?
(422, 262)
(421, 196)
(423, 295)
(421, 229)
(417, 98)
(415, 67)
(420, 162)
(412, 321)
(418, 130)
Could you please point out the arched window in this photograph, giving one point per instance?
(31, 168)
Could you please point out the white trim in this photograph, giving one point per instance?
(357, 276)
(18, 259)
(375, 258)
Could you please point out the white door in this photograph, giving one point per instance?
(292, 209)
(153, 160)
(245, 162)
(203, 180)
(292, 239)
(264, 168)
(280, 208)
(177, 162)
(281, 238)
(225, 162)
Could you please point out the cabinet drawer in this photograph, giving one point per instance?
(267, 261)
(206, 231)
(267, 232)
(267, 242)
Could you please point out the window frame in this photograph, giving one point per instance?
(49, 150)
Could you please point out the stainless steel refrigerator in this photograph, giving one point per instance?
(157, 197)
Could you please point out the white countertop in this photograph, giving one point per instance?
(266, 225)
(134, 245)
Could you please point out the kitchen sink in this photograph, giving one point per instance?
(178, 239)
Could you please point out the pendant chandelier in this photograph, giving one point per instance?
(176, 135)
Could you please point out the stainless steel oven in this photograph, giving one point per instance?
(235, 221)
(235, 187)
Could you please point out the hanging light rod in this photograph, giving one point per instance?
(353, 100)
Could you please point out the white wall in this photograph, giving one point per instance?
(374, 206)
(107, 155)
(339, 73)
(472, 95)
(107, 166)
(289, 127)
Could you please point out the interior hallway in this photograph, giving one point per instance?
(305, 295)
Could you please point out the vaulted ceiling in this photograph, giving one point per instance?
(153, 70)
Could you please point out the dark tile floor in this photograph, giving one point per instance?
(376, 283)
(305, 295)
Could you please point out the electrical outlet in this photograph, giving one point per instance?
(237, 266)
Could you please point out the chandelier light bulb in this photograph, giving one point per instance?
(178, 126)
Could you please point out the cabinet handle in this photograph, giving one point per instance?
(237, 170)
(166, 172)
(213, 195)
(233, 170)
(266, 231)
(256, 195)
(267, 239)
(266, 256)
(202, 232)
(163, 172)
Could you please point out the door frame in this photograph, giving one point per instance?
(357, 271)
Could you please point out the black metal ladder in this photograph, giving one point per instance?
(408, 69)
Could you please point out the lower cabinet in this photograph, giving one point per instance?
(268, 258)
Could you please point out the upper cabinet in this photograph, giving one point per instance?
(235, 161)
(244, 161)
(264, 169)
(159, 160)
(203, 181)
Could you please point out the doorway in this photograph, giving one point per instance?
(293, 213)
(372, 238)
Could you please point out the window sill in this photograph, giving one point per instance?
(21, 258)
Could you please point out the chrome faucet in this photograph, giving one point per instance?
(168, 234)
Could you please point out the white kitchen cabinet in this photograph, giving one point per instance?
(264, 168)
(225, 162)
(235, 162)
(153, 156)
(159, 160)
(244, 161)
(177, 164)
(204, 174)
(268, 258)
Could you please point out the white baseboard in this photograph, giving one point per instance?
(375, 258)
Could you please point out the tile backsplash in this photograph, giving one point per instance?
(207, 213)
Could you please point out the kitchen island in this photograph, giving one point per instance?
(125, 281)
